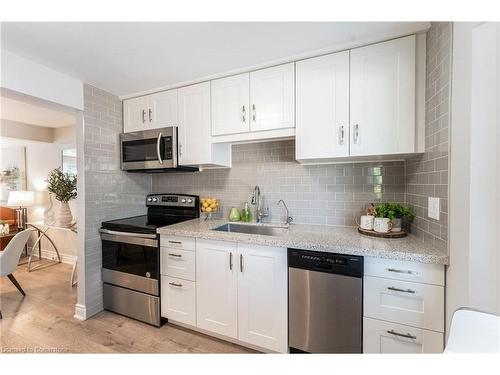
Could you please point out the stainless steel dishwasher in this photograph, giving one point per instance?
(325, 302)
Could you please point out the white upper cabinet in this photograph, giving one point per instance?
(230, 105)
(322, 130)
(194, 123)
(195, 140)
(249, 103)
(216, 287)
(356, 104)
(272, 98)
(382, 98)
(163, 109)
(135, 112)
(263, 296)
(149, 112)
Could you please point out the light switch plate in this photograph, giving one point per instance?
(433, 208)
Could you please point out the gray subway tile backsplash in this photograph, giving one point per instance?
(331, 194)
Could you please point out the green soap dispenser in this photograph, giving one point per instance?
(246, 215)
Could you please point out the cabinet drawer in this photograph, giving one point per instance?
(417, 305)
(178, 300)
(385, 337)
(176, 242)
(177, 263)
(404, 270)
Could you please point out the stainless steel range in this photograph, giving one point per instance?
(131, 256)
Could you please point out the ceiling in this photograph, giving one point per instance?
(125, 58)
(34, 114)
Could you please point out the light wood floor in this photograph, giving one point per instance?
(43, 322)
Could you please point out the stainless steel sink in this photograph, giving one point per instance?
(266, 230)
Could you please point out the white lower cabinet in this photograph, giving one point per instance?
(217, 291)
(414, 304)
(403, 316)
(242, 292)
(263, 297)
(386, 337)
(178, 300)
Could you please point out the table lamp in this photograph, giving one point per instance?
(21, 199)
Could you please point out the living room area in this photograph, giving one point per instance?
(37, 197)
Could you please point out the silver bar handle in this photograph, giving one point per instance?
(127, 234)
(175, 255)
(401, 290)
(356, 133)
(241, 262)
(176, 284)
(150, 115)
(409, 272)
(341, 135)
(408, 336)
(254, 114)
(143, 116)
(158, 152)
(230, 261)
(243, 114)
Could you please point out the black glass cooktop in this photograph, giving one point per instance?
(140, 224)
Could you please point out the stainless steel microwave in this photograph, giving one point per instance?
(152, 151)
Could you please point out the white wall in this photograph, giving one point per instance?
(27, 77)
(41, 158)
(473, 276)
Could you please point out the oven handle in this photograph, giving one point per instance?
(158, 152)
(128, 234)
(149, 240)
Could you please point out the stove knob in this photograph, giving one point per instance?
(150, 199)
(155, 199)
(190, 200)
(183, 200)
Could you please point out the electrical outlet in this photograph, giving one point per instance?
(433, 208)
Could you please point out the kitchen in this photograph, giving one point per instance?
(299, 204)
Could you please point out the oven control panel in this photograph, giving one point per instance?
(172, 200)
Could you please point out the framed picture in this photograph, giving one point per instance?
(12, 171)
(69, 161)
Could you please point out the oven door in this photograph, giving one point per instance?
(131, 260)
(149, 149)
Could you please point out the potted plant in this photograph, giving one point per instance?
(395, 212)
(63, 186)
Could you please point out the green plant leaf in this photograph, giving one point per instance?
(62, 185)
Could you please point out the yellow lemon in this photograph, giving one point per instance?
(208, 209)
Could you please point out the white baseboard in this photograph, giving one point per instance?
(83, 313)
(80, 312)
(51, 254)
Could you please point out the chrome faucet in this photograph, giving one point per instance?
(288, 219)
(256, 201)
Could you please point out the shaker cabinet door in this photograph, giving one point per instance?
(272, 98)
(162, 109)
(195, 143)
(135, 114)
(263, 296)
(230, 102)
(322, 129)
(382, 98)
(216, 287)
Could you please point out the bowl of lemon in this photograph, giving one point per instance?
(209, 206)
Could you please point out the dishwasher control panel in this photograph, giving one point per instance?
(348, 265)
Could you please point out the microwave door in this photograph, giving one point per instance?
(153, 152)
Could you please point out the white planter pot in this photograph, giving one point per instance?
(65, 218)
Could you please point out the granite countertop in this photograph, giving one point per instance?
(335, 239)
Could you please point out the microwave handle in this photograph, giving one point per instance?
(158, 153)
